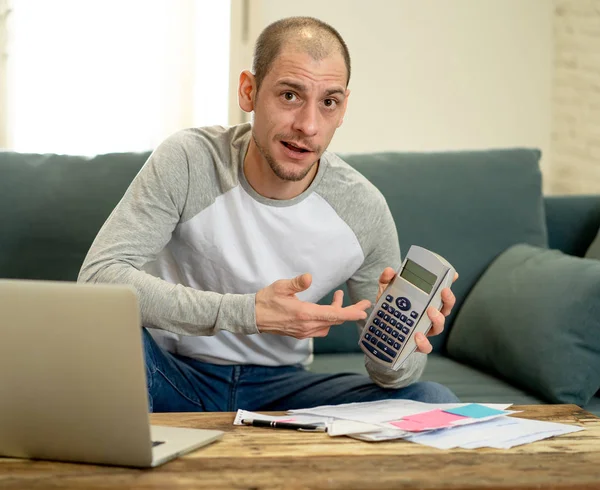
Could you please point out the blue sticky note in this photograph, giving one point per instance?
(475, 411)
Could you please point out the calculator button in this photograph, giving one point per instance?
(397, 314)
(376, 352)
(396, 345)
(368, 336)
(378, 333)
(391, 310)
(403, 318)
(388, 350)
(392, 322)
(372, 329)
(403, 303)
(373, 340)
(395, 333)
(385, 306)
(384, 337)
(380, 313)
(409, 322)
(405, 330)
(391, 341)
(376, 321)
(401, 338)
(389, 297)
(386, 318)
(388, 329)
(414, 314)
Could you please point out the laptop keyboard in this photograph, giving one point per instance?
(157, 443)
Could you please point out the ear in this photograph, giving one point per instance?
(247, 91)
(344, 108)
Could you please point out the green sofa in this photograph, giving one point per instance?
(469, 206)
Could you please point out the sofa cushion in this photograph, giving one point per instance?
(468, 206)
(466, 382)
(52, 206)
(594, 251)
(534, 319)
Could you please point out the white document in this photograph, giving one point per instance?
(341, 427)
(381, 412)
(384, 411)
(459, 436)
(501, 433)
(525, 431)
(369, 421)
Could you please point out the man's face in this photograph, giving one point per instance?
(299, 105)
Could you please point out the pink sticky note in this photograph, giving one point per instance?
(408, 425)
(434, 419)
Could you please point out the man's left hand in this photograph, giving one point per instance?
(437, 317)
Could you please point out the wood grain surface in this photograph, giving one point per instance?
(257, 458)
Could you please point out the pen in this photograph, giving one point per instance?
(284, 425)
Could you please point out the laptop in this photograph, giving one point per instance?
(73, 378)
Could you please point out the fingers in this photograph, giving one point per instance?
(386, 276)
(321, 332)
(334, 315)
(297, 284)
(439, 317)
(338, 298)
(361, 305)
(455, 276)
(437, 321)
(423, 344)
(448, 301)
(385, 279)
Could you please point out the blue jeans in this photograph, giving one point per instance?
(181, 384)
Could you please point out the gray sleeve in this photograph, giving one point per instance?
(138, 229)
(381, 246)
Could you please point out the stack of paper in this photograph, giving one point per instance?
(501, 433)
(444, 426)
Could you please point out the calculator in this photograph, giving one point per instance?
(388, 335)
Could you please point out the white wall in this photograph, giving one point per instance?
(435, 74)
(4, 23)
(576, 103)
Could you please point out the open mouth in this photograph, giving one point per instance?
(297, 149)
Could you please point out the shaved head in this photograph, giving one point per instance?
(307, 34)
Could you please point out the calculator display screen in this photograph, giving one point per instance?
(418, 276)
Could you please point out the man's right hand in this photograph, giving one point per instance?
(279, 311)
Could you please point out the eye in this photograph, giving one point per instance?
(289, 96)
(330, 103)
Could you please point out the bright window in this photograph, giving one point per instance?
(98, 76)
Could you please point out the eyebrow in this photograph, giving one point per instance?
(302, 88)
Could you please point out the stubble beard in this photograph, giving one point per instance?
(277, 168)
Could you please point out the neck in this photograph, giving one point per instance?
(263, 180)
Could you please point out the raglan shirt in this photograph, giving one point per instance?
(197, 242)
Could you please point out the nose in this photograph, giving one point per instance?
(306, 120)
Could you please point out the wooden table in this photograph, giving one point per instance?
(256, 458)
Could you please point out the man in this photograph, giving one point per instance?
(230, 236)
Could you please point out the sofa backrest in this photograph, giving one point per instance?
(52, 206)
(573, 222)
(467, 206)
